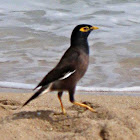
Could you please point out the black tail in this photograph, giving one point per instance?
(35, 95)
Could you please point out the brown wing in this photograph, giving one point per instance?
(66, 65)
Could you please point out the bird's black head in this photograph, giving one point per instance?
(80, 33)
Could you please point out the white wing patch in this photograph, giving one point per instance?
(47, 90)
(67, 75)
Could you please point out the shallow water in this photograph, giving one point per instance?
(35, 34)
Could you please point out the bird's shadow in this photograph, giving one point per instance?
(47, 115)
(51, 121)
(40, 114)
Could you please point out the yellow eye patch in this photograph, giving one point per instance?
(84, 29)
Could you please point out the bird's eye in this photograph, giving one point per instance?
(84, 29)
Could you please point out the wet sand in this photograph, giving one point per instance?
(117, 118)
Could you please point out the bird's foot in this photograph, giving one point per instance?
(61, 113)
(91, 109)
(85, 106)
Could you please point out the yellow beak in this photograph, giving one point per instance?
(94, 28)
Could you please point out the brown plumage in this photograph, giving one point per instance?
(70, 68)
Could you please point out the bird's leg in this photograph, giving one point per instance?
(71, 94)
(85, 106)
(59, 97)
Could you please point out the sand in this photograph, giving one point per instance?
(117, 118)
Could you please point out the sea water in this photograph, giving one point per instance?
(34, 35)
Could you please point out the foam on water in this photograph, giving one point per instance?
(79, 88)
(16, 85)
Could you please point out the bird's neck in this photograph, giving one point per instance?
(80, 42)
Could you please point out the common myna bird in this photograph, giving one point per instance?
(70, 69)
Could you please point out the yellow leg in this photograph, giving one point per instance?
(85, 106)
(63, 109)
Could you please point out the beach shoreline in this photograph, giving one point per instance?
(117, 117)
